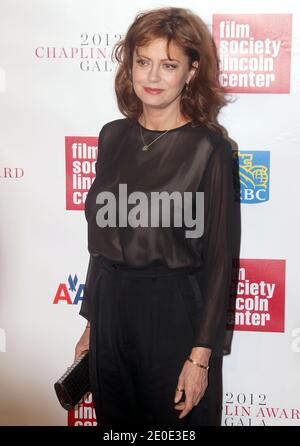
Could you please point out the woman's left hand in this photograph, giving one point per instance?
(194, 381)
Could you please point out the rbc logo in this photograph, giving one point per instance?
(254, 175)
(71, 294)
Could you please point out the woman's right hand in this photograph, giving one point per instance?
(83, 343)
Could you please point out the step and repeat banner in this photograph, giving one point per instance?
(56, 92)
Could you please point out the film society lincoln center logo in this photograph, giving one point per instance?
(81, 157)
(257, 301)
(254, 52)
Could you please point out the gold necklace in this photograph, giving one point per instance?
(146, 146)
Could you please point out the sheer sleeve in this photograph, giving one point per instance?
(90, 283)
(217, 185)
(92, 269)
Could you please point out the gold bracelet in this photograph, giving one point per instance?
(206, 367)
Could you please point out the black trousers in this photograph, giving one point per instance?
(142, 331)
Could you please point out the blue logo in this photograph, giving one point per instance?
(252, 173)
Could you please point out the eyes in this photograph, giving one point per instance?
(143, 63)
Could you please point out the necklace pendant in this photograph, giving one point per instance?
(144, 148)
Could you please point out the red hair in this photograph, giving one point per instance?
(204, 97)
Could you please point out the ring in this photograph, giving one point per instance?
(179, 390)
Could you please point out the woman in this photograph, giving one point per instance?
(155, 298)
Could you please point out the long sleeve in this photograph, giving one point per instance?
(217, 185)
(93, 267)
(90, 283)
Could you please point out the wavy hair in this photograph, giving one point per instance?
(202, 100)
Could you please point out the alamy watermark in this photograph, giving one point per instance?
(166, 209)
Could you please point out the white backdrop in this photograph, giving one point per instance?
(56, 81)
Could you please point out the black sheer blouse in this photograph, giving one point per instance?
(187, 158)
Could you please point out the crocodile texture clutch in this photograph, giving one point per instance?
(74, 383)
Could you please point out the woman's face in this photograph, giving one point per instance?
(157, 80)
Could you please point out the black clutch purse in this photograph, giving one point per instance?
(74, 383)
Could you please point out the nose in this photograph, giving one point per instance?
(153, 73)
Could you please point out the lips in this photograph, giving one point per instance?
(153, 90)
